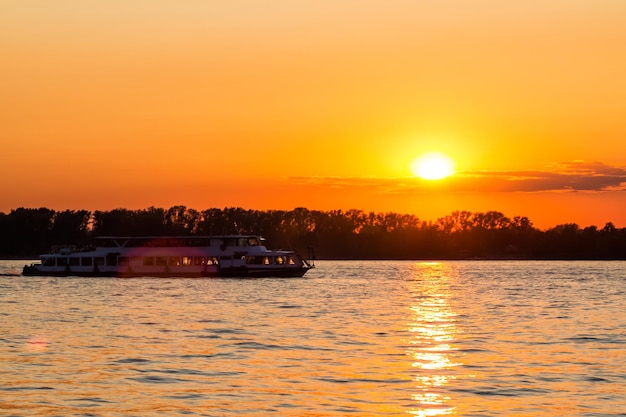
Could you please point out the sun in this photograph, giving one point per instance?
(432, 166)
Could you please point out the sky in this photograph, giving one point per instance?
(318, 104)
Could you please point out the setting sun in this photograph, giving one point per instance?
(432, 166)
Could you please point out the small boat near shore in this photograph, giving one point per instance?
(171, 256)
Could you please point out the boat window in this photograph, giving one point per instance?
(112, 259)
(174, 261)
(74, 261)
(199, 260)
(122, 261)
(161, 260)
(279, 260)
(186, 260)
(86, 261)
(135, 259)
(99, 261)
(257, 260)
(290, 260)
(148, 260)
(48, 262)
(214, 261)
(229, 242)
(253, 241)
(61, 261)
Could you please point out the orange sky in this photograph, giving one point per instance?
(318, 104)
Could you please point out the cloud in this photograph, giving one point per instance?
(560, 177)
(566, 176)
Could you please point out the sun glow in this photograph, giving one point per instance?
(432, 166)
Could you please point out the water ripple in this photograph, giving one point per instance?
(354, 338)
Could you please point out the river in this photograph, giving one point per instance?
(360, 338)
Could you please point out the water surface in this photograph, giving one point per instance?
(350, 338)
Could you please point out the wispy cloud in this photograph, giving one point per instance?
(565, 176)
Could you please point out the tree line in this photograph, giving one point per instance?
(335, 234)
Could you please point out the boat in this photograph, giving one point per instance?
(171, 256)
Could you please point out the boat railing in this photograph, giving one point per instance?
(64, 249)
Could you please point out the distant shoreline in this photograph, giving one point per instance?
(488, 259)
(333, 235)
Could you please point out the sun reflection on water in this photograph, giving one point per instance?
(432, 327)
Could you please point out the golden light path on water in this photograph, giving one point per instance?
(431, 345)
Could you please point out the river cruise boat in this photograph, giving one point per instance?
(171, 256)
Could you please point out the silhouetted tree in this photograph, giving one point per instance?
(26, 231)
(70, 227)
(351, 234)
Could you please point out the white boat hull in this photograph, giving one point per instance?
(170, 257)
